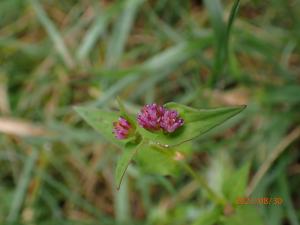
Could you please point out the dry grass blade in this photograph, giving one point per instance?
(269, 161)
(19, 127)
(4, 102)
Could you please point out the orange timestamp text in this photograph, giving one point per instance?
(259, 201)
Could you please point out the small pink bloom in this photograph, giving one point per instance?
(122, 128)
(154, 117)
(170, 121)
(150, 115)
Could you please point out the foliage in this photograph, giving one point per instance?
(208, 54)
(196, 122)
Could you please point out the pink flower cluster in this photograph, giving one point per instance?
(152, 117)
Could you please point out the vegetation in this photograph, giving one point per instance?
(58, 56)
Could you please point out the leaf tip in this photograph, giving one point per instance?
(77, 108)
(118, 182)
(242, 107)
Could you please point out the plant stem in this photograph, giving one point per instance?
(200, 180)
(202, 183)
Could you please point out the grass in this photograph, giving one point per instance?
(59, 54)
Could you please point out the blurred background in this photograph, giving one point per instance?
(54, 54)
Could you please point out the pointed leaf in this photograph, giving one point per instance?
(126, 157)
(197, 122)
(125, 114)
(101, 121)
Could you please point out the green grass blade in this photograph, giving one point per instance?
(172, 56)
(287, 201)
(22, 187)
(233, 63)
(96, 30)
(215, 12)
(233, 13)
(115, 89)
(121, 31)
(53, 33)
(175, 55)
(75, 198)
(222, 33)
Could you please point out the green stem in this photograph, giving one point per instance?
(200, 180)
(202, 183)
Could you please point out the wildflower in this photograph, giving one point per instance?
(170, 121)
(150, 116)
(154, 117)
(122, 128)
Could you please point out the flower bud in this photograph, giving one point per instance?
(122, 128)
(170, 121)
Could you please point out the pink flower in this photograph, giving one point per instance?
(122, 128)
(171, 121)
(150, 115)
(154, 117)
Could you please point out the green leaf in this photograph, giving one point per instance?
(197, 122)
(156, 156)
(208, 217)
(101, 121)
(156, 161)
(244, 214)
(236, 184)
(125, 114)
(126, 157)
